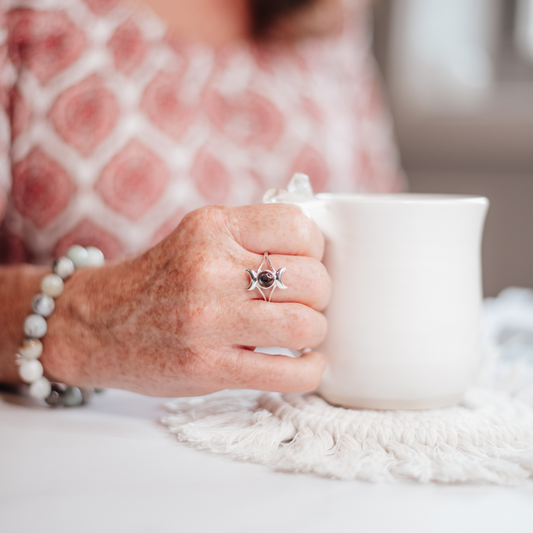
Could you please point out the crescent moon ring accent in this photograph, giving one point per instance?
(265, 279)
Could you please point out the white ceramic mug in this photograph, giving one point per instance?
(404, 316)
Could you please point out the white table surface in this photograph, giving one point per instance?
(111, 467)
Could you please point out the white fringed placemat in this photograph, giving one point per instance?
(486, 438)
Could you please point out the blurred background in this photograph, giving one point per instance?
(459, 76)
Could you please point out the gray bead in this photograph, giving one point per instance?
(72, 397)
(43, 305)
(55, 399)
(35, 326)
(63, 267)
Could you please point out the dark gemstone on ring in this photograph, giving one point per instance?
(266, 279)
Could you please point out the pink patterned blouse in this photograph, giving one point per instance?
(112, 128)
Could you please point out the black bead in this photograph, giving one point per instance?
(55, 398)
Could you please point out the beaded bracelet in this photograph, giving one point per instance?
(35, 327)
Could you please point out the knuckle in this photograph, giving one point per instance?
(193, 219)
(315, 382)
(202, 220)
(318, 274)
(308, 234)
(301, 327)
(321, 329)
(235, 219)
(302, 225)
(311, 383)
(321, 285)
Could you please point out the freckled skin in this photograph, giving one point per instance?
(178, 320)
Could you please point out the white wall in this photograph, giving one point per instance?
(462, 132)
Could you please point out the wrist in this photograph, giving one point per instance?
(20, 283)
(85, 341)
(71, 337)
(49, 386)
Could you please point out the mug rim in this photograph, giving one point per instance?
(403, 198)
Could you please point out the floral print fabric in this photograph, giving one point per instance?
(112, 128)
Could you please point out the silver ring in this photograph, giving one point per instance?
(266, 279)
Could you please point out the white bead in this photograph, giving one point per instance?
(35, 326)
(41, 389)
(43, 305)
(78, 255)
(64, 267)
(95, 257)
(31, 349)
(52, 285)
(30, 370)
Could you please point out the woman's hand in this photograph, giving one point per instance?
(178, 320)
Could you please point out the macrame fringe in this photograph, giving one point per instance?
(487, 438)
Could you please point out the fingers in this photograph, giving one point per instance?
(289, 325)
(306, 279)
(276, 373)
(275, 228)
